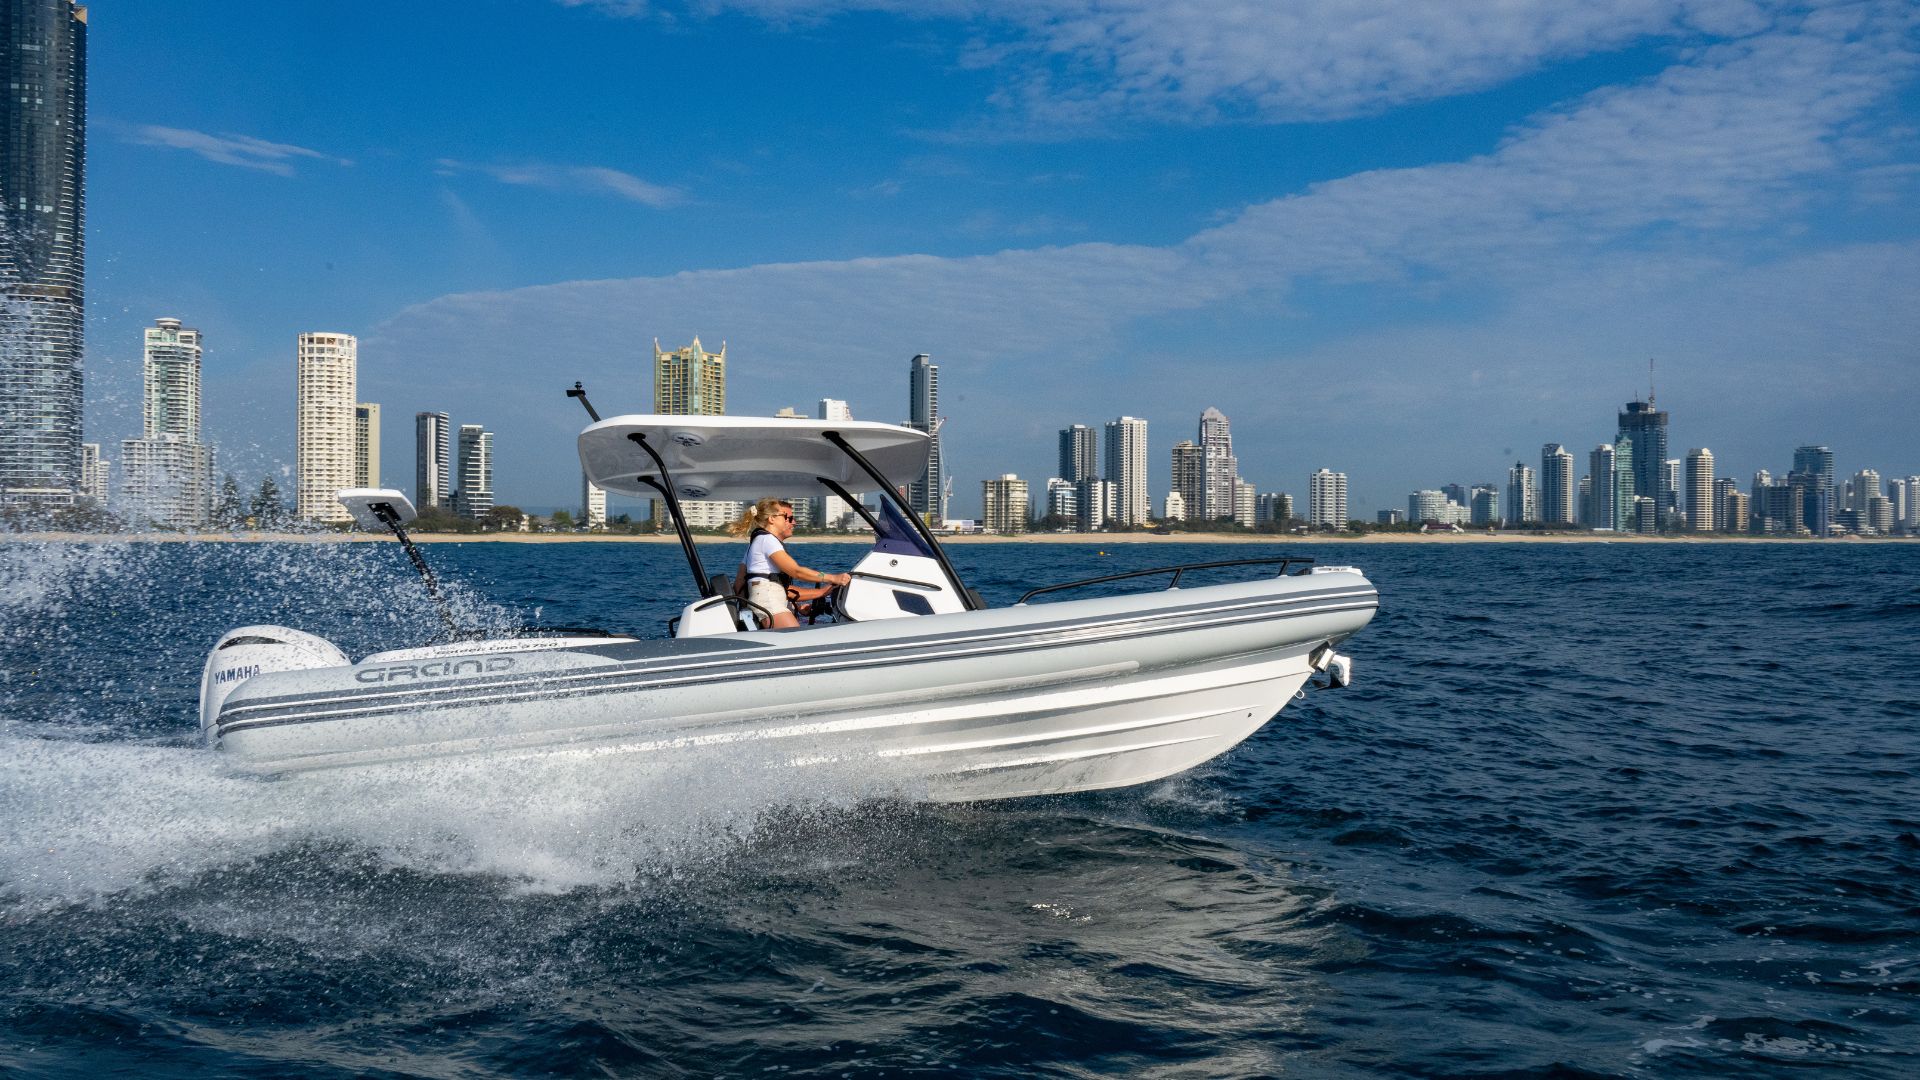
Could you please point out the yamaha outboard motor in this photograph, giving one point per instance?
(256, 650)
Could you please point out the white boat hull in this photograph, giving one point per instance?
(989, 704)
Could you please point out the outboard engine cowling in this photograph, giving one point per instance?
(256, 650)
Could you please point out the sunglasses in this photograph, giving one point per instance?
(789, 517)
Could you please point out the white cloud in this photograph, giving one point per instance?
(1085, 61)
(1645, 219)
(228, 149)
(589, 179)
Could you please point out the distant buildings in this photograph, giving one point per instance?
(1273, 508)
(690, 381)
(1556, 485)
(1327, 500)
(474, 497)
(1004, 505)
(1646, 428)
(593, 504)
(831, 511)
(366, 444)
(1702, 515)
(1220, 470)
(325, 461)
(43, 48)
(1523, 495)
(1602, 488)
(94, 471)
(1126, 453)
(1189, 475)
(926, 495)
(1079, 454)
(168, 471)
(1813, 465)
(432, 461)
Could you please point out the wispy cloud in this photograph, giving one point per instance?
(586, 179)
(229, 149)
(1086, 62)
(1630, 220)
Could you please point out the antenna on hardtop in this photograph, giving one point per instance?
(581, 393)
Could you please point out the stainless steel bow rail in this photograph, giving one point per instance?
(1284, 562)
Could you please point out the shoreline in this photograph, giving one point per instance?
(1103, 539)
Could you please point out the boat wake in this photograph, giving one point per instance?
(81, 821)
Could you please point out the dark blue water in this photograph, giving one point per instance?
(1589, 810)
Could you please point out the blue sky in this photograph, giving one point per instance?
(1412, 243)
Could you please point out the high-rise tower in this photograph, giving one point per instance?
(169, 473)
(1702, 511)
(475, 497)
(1327, 499)
(1079, 454)
(923, 414)
(1556, 485)
(433, 460)
(1220, 469)
(1814, 466)
(1127, 470)
(326, 375)
(1646, 427)
(690, 381)
(43, 158)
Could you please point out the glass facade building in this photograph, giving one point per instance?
(43, 150)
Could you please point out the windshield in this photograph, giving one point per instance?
(896, 535)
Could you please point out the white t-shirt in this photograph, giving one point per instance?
(760, 554)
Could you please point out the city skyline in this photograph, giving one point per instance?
(1065, 250)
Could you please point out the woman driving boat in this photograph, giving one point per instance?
(768, 570)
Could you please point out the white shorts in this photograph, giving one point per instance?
(768, 594)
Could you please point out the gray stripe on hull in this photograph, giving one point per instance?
(497, 692)
(748, 666)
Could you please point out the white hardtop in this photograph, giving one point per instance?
(747, 457)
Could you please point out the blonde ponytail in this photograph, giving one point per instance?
(756, 516)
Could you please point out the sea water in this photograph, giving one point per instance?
(1588, 809)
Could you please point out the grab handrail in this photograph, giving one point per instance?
(1284, 561)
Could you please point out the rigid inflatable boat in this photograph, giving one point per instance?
(908, 670)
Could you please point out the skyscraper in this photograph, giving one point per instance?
(1647, 428)
(1220, 469)
(1702, 514)
(1327, 500)
(1600, 468)
(366, 444)
(168, 471)
(432, 460)
(1079, 454)
(1814, 464)
(1523, 495)
(474, 497)
(1189, 473)
(923, 414)
(325, 374)
(43, 155)
(1625, 484)
(1556, 485)
(1126, 454)
(690, 381)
